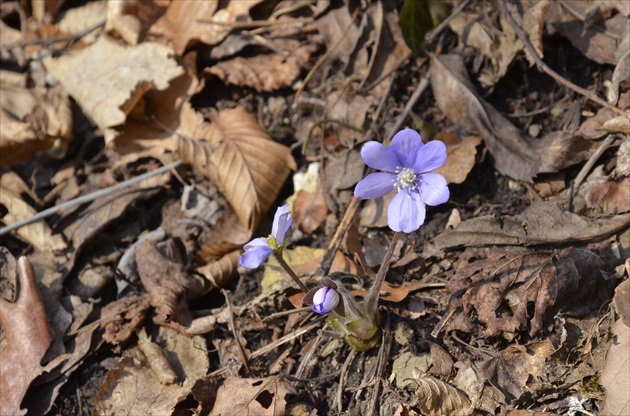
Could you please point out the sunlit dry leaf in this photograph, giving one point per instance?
(38, 234)
(310, 210)
(248, 396)
(461, 158)
(615, 377)
(28, 337)
(130, 19)
(621, 300)
(78, 19)
(516, 155)
(482, 395)
(186, 22)
(156, 358)
(437, 398)
(265, 72)
(132, 387)
(221, 271)
(243, 162)
(113, 78)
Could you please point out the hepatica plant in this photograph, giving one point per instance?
(406, 166)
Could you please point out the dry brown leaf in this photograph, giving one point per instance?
(130, 19)
(513, 367)
(79, 19)
(615, 377)
(510, 290)
(27, 339)
(437, 398)
(374, 214)
(515, 155)
(265, 72)
(461, 158)
(133, 388)
(599, 41)
(221, 271)
(249, 396)
(529, 413)
(621, 300)
(38, 234)
(332, 26)
(121, 319)
(310, 210)
(609, 196)
(183, 23)
(113, 78)
(247, 166)
(156, 359)
(165, 279)
(482, 395)
(541, 223)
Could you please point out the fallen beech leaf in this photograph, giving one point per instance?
(621, 300)
(77, 20)
(113, 78)
(249, 396)
(513, 367)
(265, 72)
(541, 223)
(133, 388)
(461, 158)
(156, 358)
(482, 395)
(615, 377)
(529, 413)
(516, 155)
(38, 234)
(28, 337)
(166, 281)
(130, 19)
(437, 398)
(242, 161)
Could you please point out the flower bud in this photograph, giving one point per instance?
(325, 300)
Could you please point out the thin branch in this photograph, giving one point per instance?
(87, 198)
(544, 68)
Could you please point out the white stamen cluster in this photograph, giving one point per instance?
(405, 179)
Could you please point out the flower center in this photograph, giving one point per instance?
(405, 179)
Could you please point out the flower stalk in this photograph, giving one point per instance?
(289, 270)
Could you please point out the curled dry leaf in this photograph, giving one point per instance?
(437, 398)
(28, 337)
(220, 272)
(247, 166)
(113, 78)
(157, 360)
(249, 396)
(609, 196)
(166, 281)
(516, 155)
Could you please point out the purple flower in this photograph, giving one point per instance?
(259, 249)
(406, 164)
(325, 300)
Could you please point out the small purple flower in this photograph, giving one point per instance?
(406, 164)
(259, 249)
(325, 300)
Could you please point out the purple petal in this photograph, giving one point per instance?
(375, 185)
(282, 220)
(380, 157)
(431, 156)
(433, 189)
(405, 212)
(407, 144)
(256, 251)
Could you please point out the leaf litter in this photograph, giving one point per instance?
(510, 299)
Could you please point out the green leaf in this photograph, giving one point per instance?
(417, 17)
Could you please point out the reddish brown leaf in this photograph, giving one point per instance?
(28, 337)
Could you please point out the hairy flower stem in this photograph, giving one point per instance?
(290, 272)
(371, 300)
